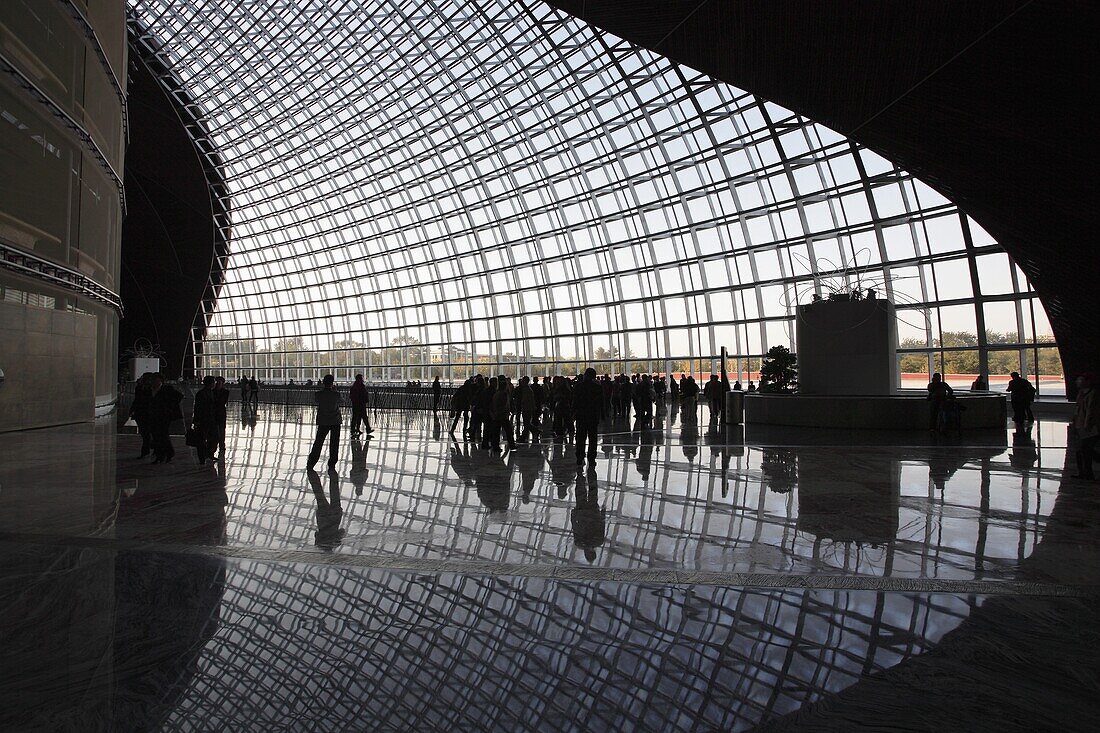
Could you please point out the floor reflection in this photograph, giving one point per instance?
(691, 497)
(130, 601)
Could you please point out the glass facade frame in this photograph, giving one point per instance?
(420, 188)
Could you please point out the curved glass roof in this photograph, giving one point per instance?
(449, 187)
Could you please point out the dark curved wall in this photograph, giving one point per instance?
(983, 100)
(168, 236)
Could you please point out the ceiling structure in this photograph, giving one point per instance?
(980, 100)
(454, 187)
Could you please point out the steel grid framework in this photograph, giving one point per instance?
(449, 187)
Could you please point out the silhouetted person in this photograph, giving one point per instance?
(139, 411)
(460, 406)
(939, 392)
(501, 416)
(437, 394)
(737, 386)
(491, 429)
(561, 404)
(752, 387)
(526, 408)
(643, 400)
(328, 423)
(164, 408)
(485, 410)
(716, 398)
(360, 400)
(589, 520)
(246, 390)
(626, 395)
(673, 388)
(587, 407)
(689, 395)
(1086, 425)
(539, 391)
(329, 511)
(205, 419)
(1022, 395)
(254, 392)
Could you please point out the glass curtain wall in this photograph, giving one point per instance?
(450, 187)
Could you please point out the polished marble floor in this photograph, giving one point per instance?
(696, 579)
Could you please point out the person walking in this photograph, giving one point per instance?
(164, 409)
(204, 420)
(1086, 425)
(360, 400)
(246, 391)
(1023, 394)
(254, 393)
(715, 397)
(328, 423)
(460, 406)
(477, 416)
(139, 412)
(587, 406)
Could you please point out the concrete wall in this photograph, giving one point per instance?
(61, 204)
(847, 348)
(49, 362)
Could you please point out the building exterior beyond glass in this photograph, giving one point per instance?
(452, 187)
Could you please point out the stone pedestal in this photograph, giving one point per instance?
(847, 347)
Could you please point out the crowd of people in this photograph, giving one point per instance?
(497, 414)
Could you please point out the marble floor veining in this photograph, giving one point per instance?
(695, 579)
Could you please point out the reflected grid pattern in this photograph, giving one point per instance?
(448, 187)
(669, 502)
(465, 653)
